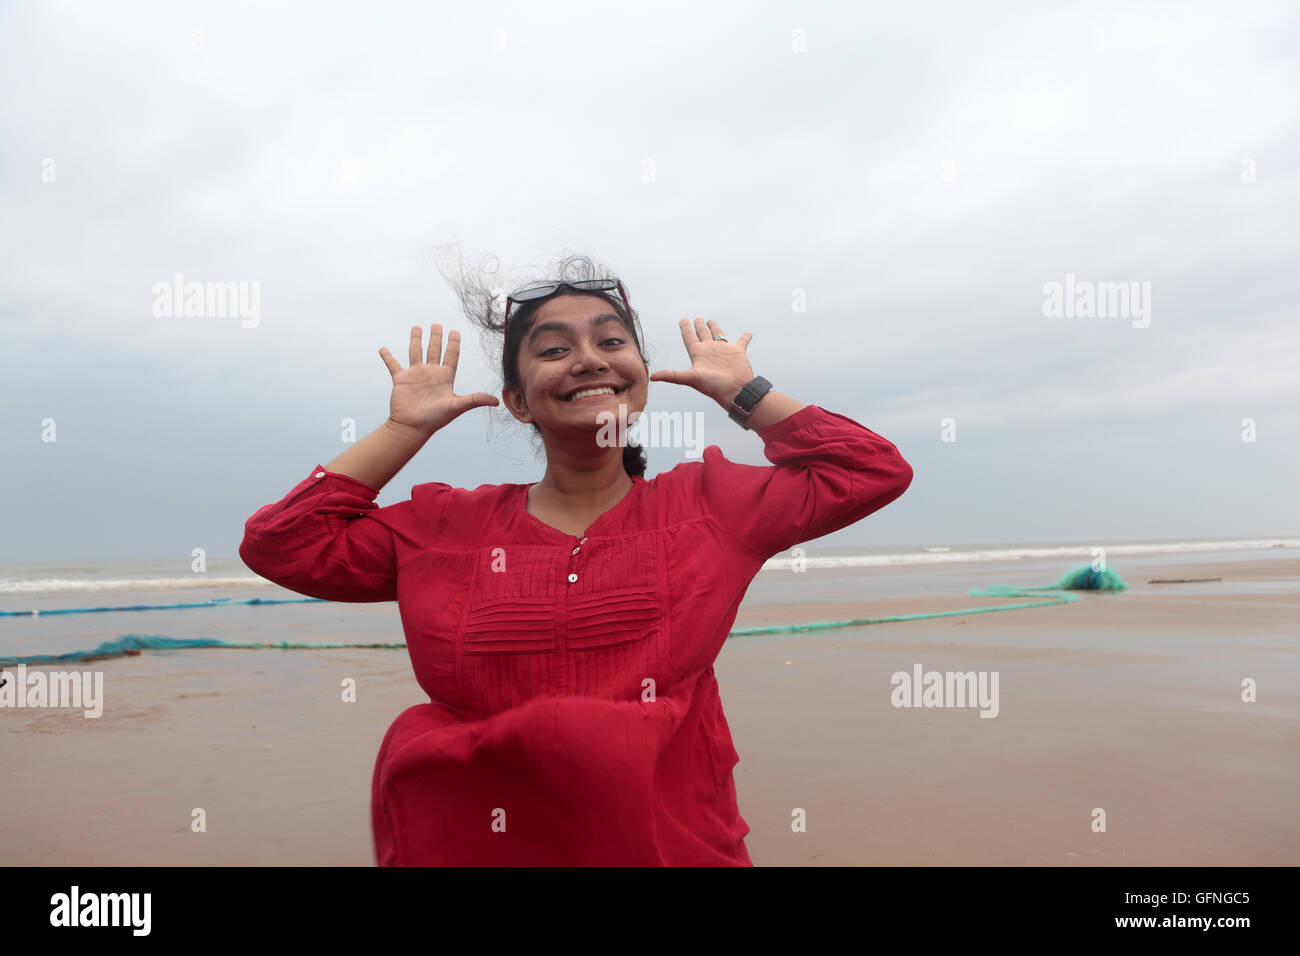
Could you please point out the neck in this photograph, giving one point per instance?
(606, 482)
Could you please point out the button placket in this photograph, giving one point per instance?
(573, 561)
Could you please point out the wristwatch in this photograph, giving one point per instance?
(743, 404)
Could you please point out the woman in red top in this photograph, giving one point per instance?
(565, 631)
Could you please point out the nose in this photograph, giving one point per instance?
(587, 356)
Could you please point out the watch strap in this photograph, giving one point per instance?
(743, 404)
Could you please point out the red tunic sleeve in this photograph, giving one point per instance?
(322, 539)
(829, 472)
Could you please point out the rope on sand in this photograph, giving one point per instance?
(215, 602)
(1086, 578)
(132, 644)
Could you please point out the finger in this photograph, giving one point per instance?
(667, 375)
(414, 351)
(394, 366)
(716, 329)
(465, 402)
(743, 341)
(689, 337)
(702, 330)
(453, 350)
(435, 344)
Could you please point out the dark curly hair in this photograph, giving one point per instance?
(483, 298)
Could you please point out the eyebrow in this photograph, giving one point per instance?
(553, 326)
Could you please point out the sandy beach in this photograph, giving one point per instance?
(1129, 702)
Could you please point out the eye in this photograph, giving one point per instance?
(557, 348)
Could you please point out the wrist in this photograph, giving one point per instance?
(407, 433)
(728, 395)
(747, 400)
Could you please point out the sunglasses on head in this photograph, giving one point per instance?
(547, 289)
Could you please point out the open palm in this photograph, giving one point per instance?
(423, 397)
(718, 369)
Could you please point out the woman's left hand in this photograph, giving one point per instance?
(718, 369)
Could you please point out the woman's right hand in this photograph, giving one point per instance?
(422, 394)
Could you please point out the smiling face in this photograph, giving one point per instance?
(577, 342)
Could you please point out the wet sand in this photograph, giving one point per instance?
(1128, 702)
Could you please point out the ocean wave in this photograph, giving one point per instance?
(923, 555)
(1016, 554)
(77, 585)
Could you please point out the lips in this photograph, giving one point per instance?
(618, 390)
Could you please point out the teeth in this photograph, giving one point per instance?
(603, 390)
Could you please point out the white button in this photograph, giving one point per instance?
(320, 474)
(572, 578)
(583, 541)
(577, 549)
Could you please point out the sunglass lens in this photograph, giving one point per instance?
(541, 291)
(534, 293)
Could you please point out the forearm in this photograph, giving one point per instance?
(375, 459)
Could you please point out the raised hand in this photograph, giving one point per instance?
(423, 398)
(718, 369)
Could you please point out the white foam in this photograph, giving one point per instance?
(931, 556)
(57, 585)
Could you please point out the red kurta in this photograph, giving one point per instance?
(573, 714)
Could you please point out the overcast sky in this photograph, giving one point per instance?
(922, 172)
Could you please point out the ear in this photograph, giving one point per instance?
(513, 399)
